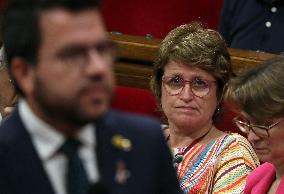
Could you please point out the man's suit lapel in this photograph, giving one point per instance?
(27, 174)
(105, 151)
(111, 159)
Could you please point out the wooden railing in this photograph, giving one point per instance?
(136, 56)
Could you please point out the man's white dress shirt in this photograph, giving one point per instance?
(47, 141)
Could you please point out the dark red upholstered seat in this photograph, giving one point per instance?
(135, 100)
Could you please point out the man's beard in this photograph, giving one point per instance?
(64, 111)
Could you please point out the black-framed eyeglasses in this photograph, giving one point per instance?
(76, 56)
(174, 85)
(259, 130)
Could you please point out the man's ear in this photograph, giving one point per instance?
(23, 73)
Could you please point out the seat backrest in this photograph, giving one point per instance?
(138, 17)
(135, 100)
(225, 123)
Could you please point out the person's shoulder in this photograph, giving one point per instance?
(265, 171)
(133, 122)
(230, 141)
(132, 119)
(237, 141)
(140, 129)
(233, 4)
(132, 116)
(236, 138)
(237, 145)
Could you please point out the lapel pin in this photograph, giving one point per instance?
(122, 143)
(122, 173)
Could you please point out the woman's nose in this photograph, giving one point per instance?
(186, 93)
(252, 136)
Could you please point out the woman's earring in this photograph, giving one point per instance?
(218, 110)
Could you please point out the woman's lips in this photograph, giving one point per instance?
(186, 109)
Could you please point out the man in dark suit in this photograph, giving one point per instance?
(61, 138)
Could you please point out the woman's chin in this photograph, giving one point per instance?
(186, 123)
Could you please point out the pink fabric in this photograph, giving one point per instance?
(260, 180)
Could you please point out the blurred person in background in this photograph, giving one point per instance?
(258, 95)
(62, 138)
(253, 25)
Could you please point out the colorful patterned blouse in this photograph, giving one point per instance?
(220, 166)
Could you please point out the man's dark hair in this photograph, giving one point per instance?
(20, 24)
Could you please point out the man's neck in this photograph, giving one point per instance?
(63, 127)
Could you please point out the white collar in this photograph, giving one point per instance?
(47, 140)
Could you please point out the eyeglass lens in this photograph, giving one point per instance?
(174, 85)
(245, 126)
(77, 56)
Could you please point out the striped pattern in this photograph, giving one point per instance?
(220, 166)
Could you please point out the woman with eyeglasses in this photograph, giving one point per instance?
(259, 95)
(190, 73)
